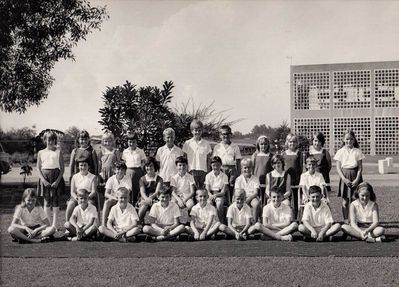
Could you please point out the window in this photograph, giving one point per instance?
(387, 135)
(386, 88)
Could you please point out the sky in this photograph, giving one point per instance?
(234, 54)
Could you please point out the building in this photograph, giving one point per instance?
(334, 97)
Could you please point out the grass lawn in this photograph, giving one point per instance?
(219, 263)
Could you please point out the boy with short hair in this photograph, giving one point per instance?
(119, 179)
(165, 217)
(81, 180)
(198, 151)
(183, 185)
(134, 158)
(216, 184)
(231, 157)
(277, 218)
(317, 219)
(250, 183)
(238, 217)
(122, 224)
(312, 177)
(204, 222)
(167, 155)
(84, 220)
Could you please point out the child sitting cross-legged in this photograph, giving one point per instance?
(122, 219)
(165, 217)
(204, 220)
(239, 217)
(318, 223)
(84, 220)
(30, 222)
(277, 218)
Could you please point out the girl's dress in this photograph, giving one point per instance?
(279, 182)
(150, 184)
(323, 163)
(348, 158)
(293, 166)
(262, 166)
(363, 215)
(88, 154)
(107, 159)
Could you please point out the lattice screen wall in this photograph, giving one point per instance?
(386, 88)
(362, 128)
(387, 135)
(352, 89)
(312, 91)
(307, 127)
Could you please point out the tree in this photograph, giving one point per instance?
(144, 110)
(34, 35)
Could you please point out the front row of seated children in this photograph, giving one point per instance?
(30, 223)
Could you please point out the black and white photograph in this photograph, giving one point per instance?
(199, 143)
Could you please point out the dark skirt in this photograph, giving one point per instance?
(51, 195)
(349, 173)
(135, 174)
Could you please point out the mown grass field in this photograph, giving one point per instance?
(218, 263)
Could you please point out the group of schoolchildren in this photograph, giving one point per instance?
(174, 192)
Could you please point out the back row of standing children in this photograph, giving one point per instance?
(263, 173)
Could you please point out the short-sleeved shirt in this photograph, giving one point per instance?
(83, 181)
(167, 158)
(251, 186)
(277, 215)
(134, 157)
(84, 217)
(113, 184)
(50, 159)
(125, 218)
(216, 182)
(32, 218)
(182, 183)
(228, 153)
(363, 215)
(197, 154)
(349, 156)
(165, 215)
(317, 217)
(239, 216)
(308, 179)
(202, 215)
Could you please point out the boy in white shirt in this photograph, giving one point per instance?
(231, 157)
(84, 220)
(119, 179)
(198, 153)
(134, 158)
(238, 217)
(216, 184)
(312, 177)
(164, 215)
(183, 185)
(250, 183)
(204, 222)
(167, 155)
(81, 180)
(277, 219)
(317, 219)
(122, 224)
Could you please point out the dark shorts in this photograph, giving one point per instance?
(199, 177)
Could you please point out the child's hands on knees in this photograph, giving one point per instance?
(203, 235)
(313, 234)
(196, 235)
(180, 203)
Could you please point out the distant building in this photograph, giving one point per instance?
(334, 97)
